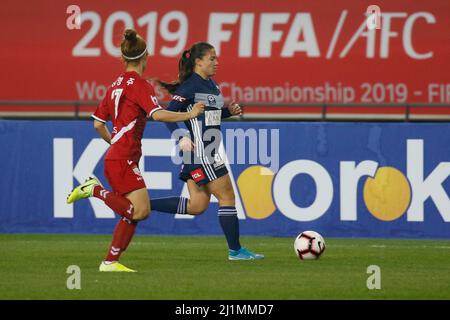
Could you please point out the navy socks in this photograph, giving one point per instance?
(174, 205)
(230, 225)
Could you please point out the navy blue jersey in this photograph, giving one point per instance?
(205, 129)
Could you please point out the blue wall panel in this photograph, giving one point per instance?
(32, 183)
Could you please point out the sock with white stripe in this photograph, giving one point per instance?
(123, 233)
(230, 225)
(119, 204)
(174, 205)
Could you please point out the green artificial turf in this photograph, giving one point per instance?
(34, 267)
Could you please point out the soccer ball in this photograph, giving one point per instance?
(309, 245)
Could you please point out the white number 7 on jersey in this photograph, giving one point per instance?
(117, 93)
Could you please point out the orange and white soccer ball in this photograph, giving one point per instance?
(309, 245)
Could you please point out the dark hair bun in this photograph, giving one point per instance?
(130, 35)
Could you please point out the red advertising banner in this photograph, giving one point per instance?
(288, 53)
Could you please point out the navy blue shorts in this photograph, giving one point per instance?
(203, 173)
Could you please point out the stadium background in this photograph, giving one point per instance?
(287, 60)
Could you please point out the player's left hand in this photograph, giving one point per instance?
(235, 109)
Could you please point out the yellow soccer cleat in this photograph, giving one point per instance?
(84, 190)
(114, 267)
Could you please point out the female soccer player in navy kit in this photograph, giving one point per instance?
(128, 102)
(205, 172)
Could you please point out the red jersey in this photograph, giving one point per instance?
(128, 102)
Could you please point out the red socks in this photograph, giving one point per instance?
(123, 233)
(125, 228)
(116, 202)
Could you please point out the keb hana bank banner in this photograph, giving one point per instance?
(283, 52)
(346, 179)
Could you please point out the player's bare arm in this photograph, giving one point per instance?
(102, 131)
(169, 116)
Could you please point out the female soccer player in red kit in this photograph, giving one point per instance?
(128, 102)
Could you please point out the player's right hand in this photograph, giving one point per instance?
(186, 144)
(198, 109)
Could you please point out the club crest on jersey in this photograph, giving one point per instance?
(211, 100)
(178, 98)
(136, 170)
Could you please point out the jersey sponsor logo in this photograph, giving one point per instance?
(198, 175)
(179, 98)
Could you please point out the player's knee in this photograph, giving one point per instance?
(141, 213)
(232, 198)
(198, 208)
(227, 198)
